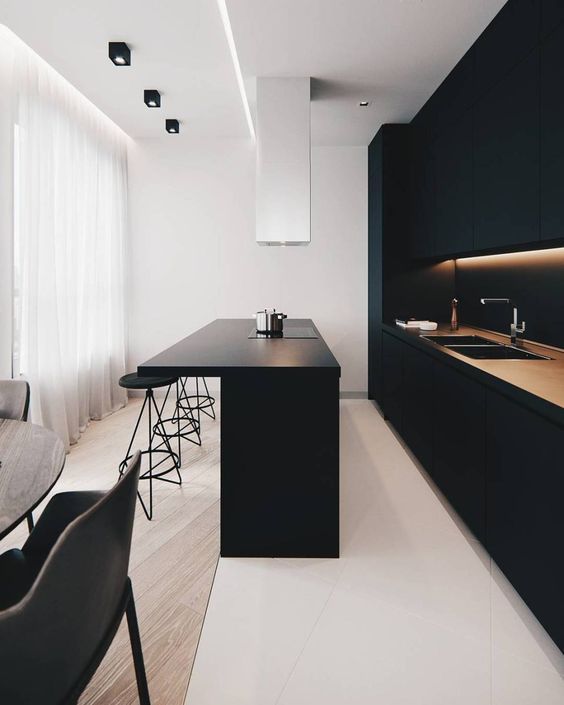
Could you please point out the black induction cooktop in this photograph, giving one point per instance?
(290, 332)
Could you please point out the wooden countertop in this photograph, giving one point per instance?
(223, 347)
(539, 384)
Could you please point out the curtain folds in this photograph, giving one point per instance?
(70, 221)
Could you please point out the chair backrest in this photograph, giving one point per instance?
(14, 399)
(49, 639)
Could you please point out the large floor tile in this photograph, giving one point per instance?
(260, 615)
(518, 682)
(364, 652)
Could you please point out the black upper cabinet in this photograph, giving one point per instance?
(512, 34)
(506, 160)
(552, 14)
(454, 96)
(453, 184)
(525, 486)
(417, 397)
(392, 379)
(552, 135)
(459, 444)
(422, 227)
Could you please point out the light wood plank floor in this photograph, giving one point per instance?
(173, 558)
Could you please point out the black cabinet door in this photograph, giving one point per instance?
(552, 14)
(459, 444)
(512, 34)
(552, 135)
(525, 522)
(453, 177)
(417, 397)
(506, 160)
(392, 378)
(423, 202)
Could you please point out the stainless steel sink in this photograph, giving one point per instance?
(479, 348)
(496, 352)
(452, 340)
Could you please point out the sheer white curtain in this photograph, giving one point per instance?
(70, 212)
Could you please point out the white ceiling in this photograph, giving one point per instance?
(391, 52)
(178, 47)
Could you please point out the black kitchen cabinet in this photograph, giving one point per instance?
(506, 160)
(392, 379)
(423, 201)
(453, 180)
(525, 486)
(511, 35)
(417, 400)
(552, 136)
(375, 262)
(552, 14)
(459, 444)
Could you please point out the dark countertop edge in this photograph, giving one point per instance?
(190, 371)
(533, 402)
(148, 370)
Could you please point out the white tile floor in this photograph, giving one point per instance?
(414, 613)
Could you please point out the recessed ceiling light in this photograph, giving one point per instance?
(152, 98)
(119, 53)
(364, 103)
(172, 126)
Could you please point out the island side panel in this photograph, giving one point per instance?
(280, 463)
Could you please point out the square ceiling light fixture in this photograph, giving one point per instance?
(172, 126)
(152, 98)
(119, 53)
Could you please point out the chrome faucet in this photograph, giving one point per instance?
(517, 329)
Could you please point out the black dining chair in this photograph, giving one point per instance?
(64, 594)
(14, 399)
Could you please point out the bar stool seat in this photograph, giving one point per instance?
(133, 381)
(159, 440)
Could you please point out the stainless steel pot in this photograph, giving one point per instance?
(269, 321)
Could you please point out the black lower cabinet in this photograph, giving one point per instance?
(392, 377)
(459, 444)
(417, 404)
(525, 521)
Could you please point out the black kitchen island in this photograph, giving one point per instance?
(279, 435)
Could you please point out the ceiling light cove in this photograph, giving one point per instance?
(152, 98)
(119, 53)
(236, 65)
(172, 126)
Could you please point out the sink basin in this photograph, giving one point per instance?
(455, 340)
(496, 352)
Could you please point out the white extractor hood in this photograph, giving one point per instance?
(283, 206)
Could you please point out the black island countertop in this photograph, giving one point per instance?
(223, 347)
(537, 384)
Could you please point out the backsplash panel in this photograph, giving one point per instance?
(533, 280)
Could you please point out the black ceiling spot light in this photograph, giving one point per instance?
(172, 126)
(364, 103)
(119, 53)
(152, 98)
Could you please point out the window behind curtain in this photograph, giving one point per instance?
(70, 219)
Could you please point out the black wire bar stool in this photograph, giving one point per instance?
(200, 402)
(156, 429)
(182, 424)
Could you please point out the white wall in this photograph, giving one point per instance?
(193, 255)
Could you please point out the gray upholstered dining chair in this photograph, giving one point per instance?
(64, 594)
(14, 399)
